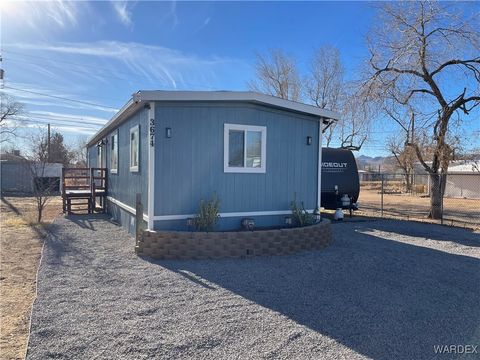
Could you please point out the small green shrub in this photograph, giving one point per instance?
(207, 216)
(300, 216)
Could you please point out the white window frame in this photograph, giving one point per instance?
(226, 143)
(136, 129)
(112, 137)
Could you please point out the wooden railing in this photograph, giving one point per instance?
(98, 182)
(84, 186)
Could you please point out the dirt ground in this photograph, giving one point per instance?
(457, 212)
(20, 248)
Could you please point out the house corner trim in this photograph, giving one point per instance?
(151, 164)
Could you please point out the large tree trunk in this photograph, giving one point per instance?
(408, 182)
(436, 196)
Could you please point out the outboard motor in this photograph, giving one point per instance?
(340, 182)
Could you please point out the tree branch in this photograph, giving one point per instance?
(458, 62)
(420, 157)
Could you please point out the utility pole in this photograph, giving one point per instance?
(48, 142)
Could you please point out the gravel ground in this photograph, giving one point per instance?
(383, 290)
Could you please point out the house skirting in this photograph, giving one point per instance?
(124, 215)
(232, 244)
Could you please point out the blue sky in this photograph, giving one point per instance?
(102, 52)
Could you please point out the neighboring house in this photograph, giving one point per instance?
(17, 176)
(465, 166)
(463, 179)
(255, 151)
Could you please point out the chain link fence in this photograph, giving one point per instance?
(452, 199)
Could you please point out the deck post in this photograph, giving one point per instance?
(93, 197)
(64, 203)
(138, 217)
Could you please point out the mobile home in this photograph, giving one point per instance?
(254, 151)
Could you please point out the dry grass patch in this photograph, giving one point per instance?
(457, 211)
(20, 245)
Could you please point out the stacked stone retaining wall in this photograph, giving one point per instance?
(232, 244)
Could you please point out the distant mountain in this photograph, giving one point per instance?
(367, 162)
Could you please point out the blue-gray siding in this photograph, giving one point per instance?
(189, 165)
(123, 217)
(124, 185)
(226, 223)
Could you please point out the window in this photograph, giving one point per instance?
(99, 156)
(245, 148)
(134, 148)
(114, 153)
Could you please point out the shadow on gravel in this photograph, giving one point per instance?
(464, 237)
(61, 243)
(383, 299)
(88, 221)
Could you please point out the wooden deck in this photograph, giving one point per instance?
(84, 190)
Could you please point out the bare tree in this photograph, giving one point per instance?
(357, 115)
(9, 117)
(78, 151)
(405, 158)
(398, 145)
(55, 150)
(43, 187)
(324, 83)
(426, 55)
(276, 74)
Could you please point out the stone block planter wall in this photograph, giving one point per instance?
(234, 244)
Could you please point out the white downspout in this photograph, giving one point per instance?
(151, 164)
(319, 176)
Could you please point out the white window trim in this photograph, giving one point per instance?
(133, 129)
(114, 170)
(226, 141)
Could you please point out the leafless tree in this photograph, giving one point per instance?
(276, 74)
(10, 110)
(55, 150)
(426, 55)
(405, 158)
(398, 145)
(78, 151)
(357, 115)
(43, 187)
(324, 83)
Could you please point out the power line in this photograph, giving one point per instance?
(84, 128)
(66, 121)
(60, 98)
(68, 117)
(47, 121)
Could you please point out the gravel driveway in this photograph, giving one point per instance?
(383, 290)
